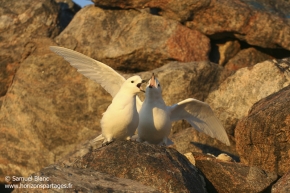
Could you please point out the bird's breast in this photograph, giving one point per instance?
(154, 117)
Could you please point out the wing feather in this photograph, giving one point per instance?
(200, 116)
(108, 78)
(101, 73)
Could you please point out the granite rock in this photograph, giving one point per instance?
(21, 22)
(223, 176)
(258, 22)
(263, 136)
(73, 180)
(282, 185)
(246, 58)
(161, 168)
(131, 40)
(236, 95)
(49, 109)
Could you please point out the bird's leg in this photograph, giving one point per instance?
(107, 143)
(139, 140)
(131, 139)
(164, 142)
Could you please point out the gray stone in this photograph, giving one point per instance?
(236, 95)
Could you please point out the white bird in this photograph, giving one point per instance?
(155, 117)
(121, 118)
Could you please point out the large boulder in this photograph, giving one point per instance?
(282, 185)
(64, 180)
(21, 22)
(47, 111)
(236, 95)
(130, 40)
(161, 168)
(223, 176)
(245, 58)
(263, 137)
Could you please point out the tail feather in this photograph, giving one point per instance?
(99, 138)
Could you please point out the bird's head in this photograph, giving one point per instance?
(133, 85)
(153, 88)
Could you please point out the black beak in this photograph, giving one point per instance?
(139, 85)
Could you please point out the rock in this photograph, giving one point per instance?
(161, 168)
(245, 58)
(190, 140)
(21, 22)
(198, 78)
(225, 157)
(257, 22)
(228, 50)
(236, 95)
(248, 21)
(79, 180)
(263, 136)
(48, 110)
(130, 40)
(224, 176)
(68, 9)
(190, 158)
(282, 185)
(180, 11)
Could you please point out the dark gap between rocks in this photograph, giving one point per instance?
(214, 55)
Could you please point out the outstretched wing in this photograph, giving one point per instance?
(101, 73)
(200, 116)
(108, 78)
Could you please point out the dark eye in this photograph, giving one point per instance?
(158, 85)
(132, 81)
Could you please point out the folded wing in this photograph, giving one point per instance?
(200, 116)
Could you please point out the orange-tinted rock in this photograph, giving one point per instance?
(162, 168)
(245, 58)
(258, 22)
(282, 185)
(47, 111)
(223, 176)
(227, 51)
(80, 180)
(130, 40)
(21, 22)
(263, 137)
